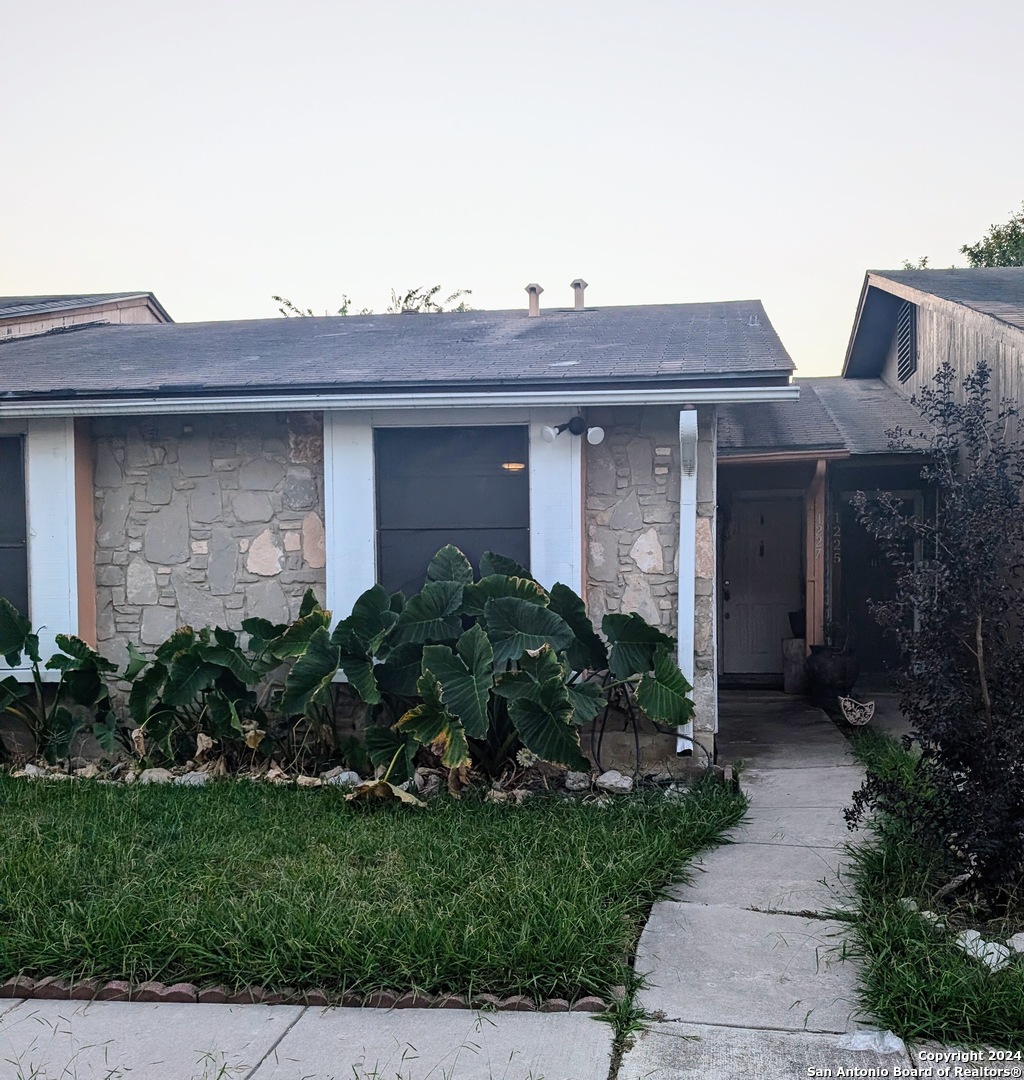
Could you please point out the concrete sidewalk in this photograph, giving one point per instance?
(744, 966)
(113, 1040)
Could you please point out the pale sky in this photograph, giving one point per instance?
(216, 153)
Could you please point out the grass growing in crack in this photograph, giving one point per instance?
(249, 884)
(914, 980)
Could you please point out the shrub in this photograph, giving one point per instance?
(957, 615)
(477, 669)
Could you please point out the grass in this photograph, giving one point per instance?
(914, 980)
(242, 883)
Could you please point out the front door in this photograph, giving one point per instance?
(762, 578)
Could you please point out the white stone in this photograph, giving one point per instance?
(342, 778)
(705, 555)
(34, 771)
(647, 554)
(264, 557)
(637, 597)
(314, 546)
(292, 541)
(613, 781)
(192, 779)
(155, 776)
(140, 583)
(577, 781)
(991, 953)
(1017, 942)
(200, 547)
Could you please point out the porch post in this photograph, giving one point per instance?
(687, 557)
(814, 510)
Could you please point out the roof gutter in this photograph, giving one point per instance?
(259, 403)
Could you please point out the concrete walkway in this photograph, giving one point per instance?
(745, 969)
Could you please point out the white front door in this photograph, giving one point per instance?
(761, 583)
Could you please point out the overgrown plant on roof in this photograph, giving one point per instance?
(957, 615)
(477, 669)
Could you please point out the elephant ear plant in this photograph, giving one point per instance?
(55, 709)
(476, 669)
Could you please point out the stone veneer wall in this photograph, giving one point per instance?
(205, 520)
(632, 530)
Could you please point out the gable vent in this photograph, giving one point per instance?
(906, 341)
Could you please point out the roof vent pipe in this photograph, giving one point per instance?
(578, 286)
(534, 290)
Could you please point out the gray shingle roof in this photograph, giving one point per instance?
(831, 414)
(621, 346)
(24, 306)
(995, 291)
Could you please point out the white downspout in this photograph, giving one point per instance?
(687, 557)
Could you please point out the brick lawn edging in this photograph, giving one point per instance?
(53, 989)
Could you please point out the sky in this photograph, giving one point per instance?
(216, 153)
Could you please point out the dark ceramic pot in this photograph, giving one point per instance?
(831, 671)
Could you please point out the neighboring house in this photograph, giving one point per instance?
(789, 539)
(21, 316)
(205, 473)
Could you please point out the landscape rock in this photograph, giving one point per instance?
(577, 781)
(155, 776)
(614, 782)
(34, 771)
(342, 778)
(990, 953)
(1017, 942)
(193, 779)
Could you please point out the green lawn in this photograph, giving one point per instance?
(244, 883)
(914, 980)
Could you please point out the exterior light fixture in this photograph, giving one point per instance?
(576, 426)
(513, 466)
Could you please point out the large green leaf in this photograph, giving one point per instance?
(398, 674)
(475, 596)
(665, 695)
(231, 659)
(310, 604)
(14, 629)
(515, 625)
(543, 723)
(449, 564)
(360, 671)
(369, 624)
(11, 690)
(433, 614)
(588, 651)
(145, 691)
(294, 639)
(136, 662)
(310, 678)
(490, 563)
(179, 640)
(384, 745)
(431, 724)
(587, 701)
(79, 656)
(633, 643)
(531, 673)
(188, 676)
(465, 679)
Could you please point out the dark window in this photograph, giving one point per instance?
(13, 531)
(467, 486)
(906, 342)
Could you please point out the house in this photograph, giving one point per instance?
(204, 473)
(789, 539)
(21, 316)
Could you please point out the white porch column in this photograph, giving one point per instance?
(687, 556)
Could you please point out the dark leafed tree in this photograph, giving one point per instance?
(958, 615)
(1002, 245)
(420, 299)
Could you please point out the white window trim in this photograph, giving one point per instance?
(52, 552)
(556, 493)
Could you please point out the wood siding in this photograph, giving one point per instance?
(117, 312)
(948, 331)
